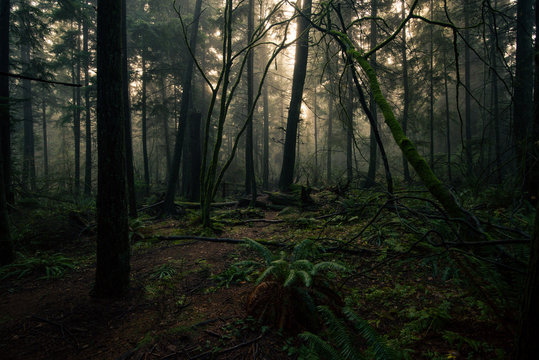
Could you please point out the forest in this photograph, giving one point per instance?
(269, 179)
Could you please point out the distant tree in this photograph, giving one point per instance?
(371, 174)
(168, 206)
(406, 91)
(250, 182)
(113, 252)
(88, 121)
(5, 122)
(131, 199)
(6, 246)
(523, 91)
(298, 81)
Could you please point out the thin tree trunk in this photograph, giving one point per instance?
(168, 206)
(144, 127)
(315, 113)
(6, 246)
(406, 93)
(250, 183)
(300, 69)
(329, 142)
(45, 140)
(265, 156)
(88, 121)
(349, 128)
(164, 115)
(371, 174)
(447, 121)
(523, 92)
(130, 171)
(76, 112)
(467, 97)
(29, 172)
(431, 86)
(113, 250)
(495, 107)
(5, 122)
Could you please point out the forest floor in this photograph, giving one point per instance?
(188, 301)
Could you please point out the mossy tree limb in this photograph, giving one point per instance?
(438, 190)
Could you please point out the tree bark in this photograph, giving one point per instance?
(88, 121)
(250, 182)
(431, 86)
(406, 93)
(523, 92)
(5, 122)
(265, 155)
(298, 81)
(113, 252)
(29, 170)
(467, 97)
(6, 246)
(76, 111)
(447, 121)
(527, 345)
(144, 127)
(371, 174)
(130, 171)
(45, 140)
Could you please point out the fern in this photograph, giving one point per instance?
(320, 349)
(339, 341)
(261, 250)
(375, 341)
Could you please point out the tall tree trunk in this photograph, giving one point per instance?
(250, 183)
(168, 206)
(6, 246)
(29, 170)
(371, 174)
(144, 127)
(431, 86)
(495, 107)
(113, 252)
(527, 345)
(130, 171)
(87, 111)
(76, 111)
(447, 121)
(5, 122)
(328, 141)
(315, 113)
(265, 155)
(45, 140)
(349, 132)
(406, 93)
(298, 81)
(467, 97)
(523, 91)
(164, 116)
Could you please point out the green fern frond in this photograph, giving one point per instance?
(305, 249)
(305, 277)
(263, 251)
(303, 264)
(328, 266)
(378, 345)
(292, 275)
(319, 348)
(340, 333)
(269, 271)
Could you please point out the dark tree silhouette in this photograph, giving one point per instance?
(113, 252)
